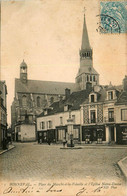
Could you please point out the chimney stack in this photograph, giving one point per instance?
(67, 93)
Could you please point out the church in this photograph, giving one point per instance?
(33, 96)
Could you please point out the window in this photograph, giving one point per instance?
(124, 133)
(92, 116)
(92, 98)
(87, 78)
(38, 101)
(24, 101)
(111, 115)
(90, 78)
(42, 125)
(73, 117)
(124, 114)
(61, 120)
(50, 124)
(110, 95)
(66, 108)
(94, 78)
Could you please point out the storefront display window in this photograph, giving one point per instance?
(124, 114)
(124, 134)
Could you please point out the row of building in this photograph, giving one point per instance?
(85, 110)
(3, 112)
(97, 114)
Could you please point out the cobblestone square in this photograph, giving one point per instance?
(33, 161)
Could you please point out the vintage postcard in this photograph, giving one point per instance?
(63, 98)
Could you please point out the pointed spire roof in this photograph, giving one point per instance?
(23, 64)
(85, 38)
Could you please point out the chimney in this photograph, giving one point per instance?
(67, 93)
(125, 83)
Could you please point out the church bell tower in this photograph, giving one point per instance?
(23, 72)
(87, 75)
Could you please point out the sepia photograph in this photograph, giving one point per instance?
(63, 98)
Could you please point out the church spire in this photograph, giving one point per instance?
(85, 39)
(87, 75)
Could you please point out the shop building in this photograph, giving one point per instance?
(3, 112)
(103, 115)
(52, 124)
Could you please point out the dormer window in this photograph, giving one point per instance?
(92, 98)
(110, 95)
(45, 112)
(67, 107)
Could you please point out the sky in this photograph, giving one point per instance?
(47, 35)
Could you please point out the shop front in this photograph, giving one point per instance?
(61, 133)
(92, 134)
(42, 136)
(47, 136)
(121, 134)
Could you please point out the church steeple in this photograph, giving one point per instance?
(85, 39)
(86, 51)
(86, 74)
(23, 72)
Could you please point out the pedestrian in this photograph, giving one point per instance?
(64, 142)
(49, 141)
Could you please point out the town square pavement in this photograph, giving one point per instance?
(34, 161)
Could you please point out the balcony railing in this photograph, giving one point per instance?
(108, 120)
(96, 120)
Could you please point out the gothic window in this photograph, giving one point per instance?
(51, 100)
(24, 101)
(38, 101)
(87, 78)
(90, 78)
(94, 78)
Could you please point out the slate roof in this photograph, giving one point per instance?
(122, 98)
(44, 87)
(75, 99)
(85, 38)
(86, 69)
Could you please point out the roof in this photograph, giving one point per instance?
(122, 98)
(23, 64)
(44, 87)
(75, 99)
(85, 38)
(87, 70)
